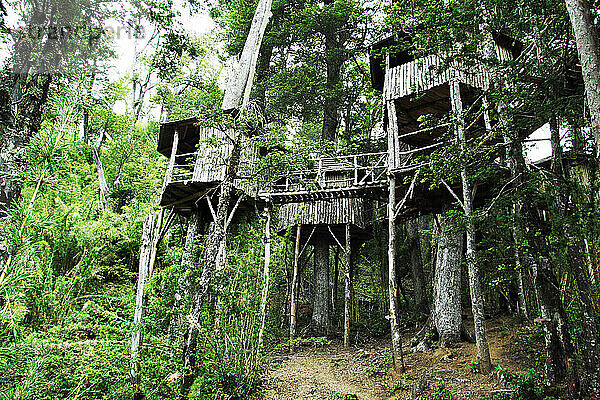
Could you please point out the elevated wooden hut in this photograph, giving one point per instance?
(198, 158)
(328, 204)
(416, 95)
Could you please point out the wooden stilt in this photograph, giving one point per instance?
(294, 290)
(348, 282)
(149, 244)
(483, 351)
(392, 286)
(265, 289)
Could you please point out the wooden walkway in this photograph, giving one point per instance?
(331, 177)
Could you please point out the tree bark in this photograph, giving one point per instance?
(421, 307)
(334, 290)
(447, 306)
(588, 48)
(320, 316)
(483, 350)
(189, 262)
(238, 93)
(211, 257)
(103, 186)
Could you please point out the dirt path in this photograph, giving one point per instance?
(317, 373)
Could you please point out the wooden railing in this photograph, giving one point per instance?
(183, 168)
(335, 172)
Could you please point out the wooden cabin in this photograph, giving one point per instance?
(416, 95)
(198, 158)
(335, 192)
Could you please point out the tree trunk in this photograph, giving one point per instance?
(211, 257)
(398, 357)
(421, 307)
(589, 338)
(189, 261)
(238, 93)
(589, 56)
(266, 277)
(320, 316)
(334, 290)
(447, 306)
(149, 245)
(103, 186)
(294, 290)
(483, 350)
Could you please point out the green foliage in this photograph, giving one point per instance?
(439, 392)
(474, 367)
(526, 385)
(528, 345)
(397, 385)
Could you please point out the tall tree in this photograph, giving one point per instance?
(588, 48)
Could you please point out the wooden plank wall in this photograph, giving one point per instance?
(424, 74)
(213, 154)
(323, 212)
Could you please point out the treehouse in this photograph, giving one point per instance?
(328, 203)
(417, 98)
(198, 158)
(329, 193)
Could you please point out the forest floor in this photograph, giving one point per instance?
(319, 373)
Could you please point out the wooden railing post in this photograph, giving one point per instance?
(171, 165)
(356, 170)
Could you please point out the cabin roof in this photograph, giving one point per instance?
(188, 137)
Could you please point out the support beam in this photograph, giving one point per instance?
(398, 357)
(483, 350)
(348, 282)
(265, 289)
(294, 291)
(149, 244)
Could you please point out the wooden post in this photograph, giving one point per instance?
(171, 165)
(149, 243)
(348, 281)
(265, 289)
(355, 170)
(294, 291)
(392, 286)
(483, 350)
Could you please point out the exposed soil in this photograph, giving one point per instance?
(317, 373)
